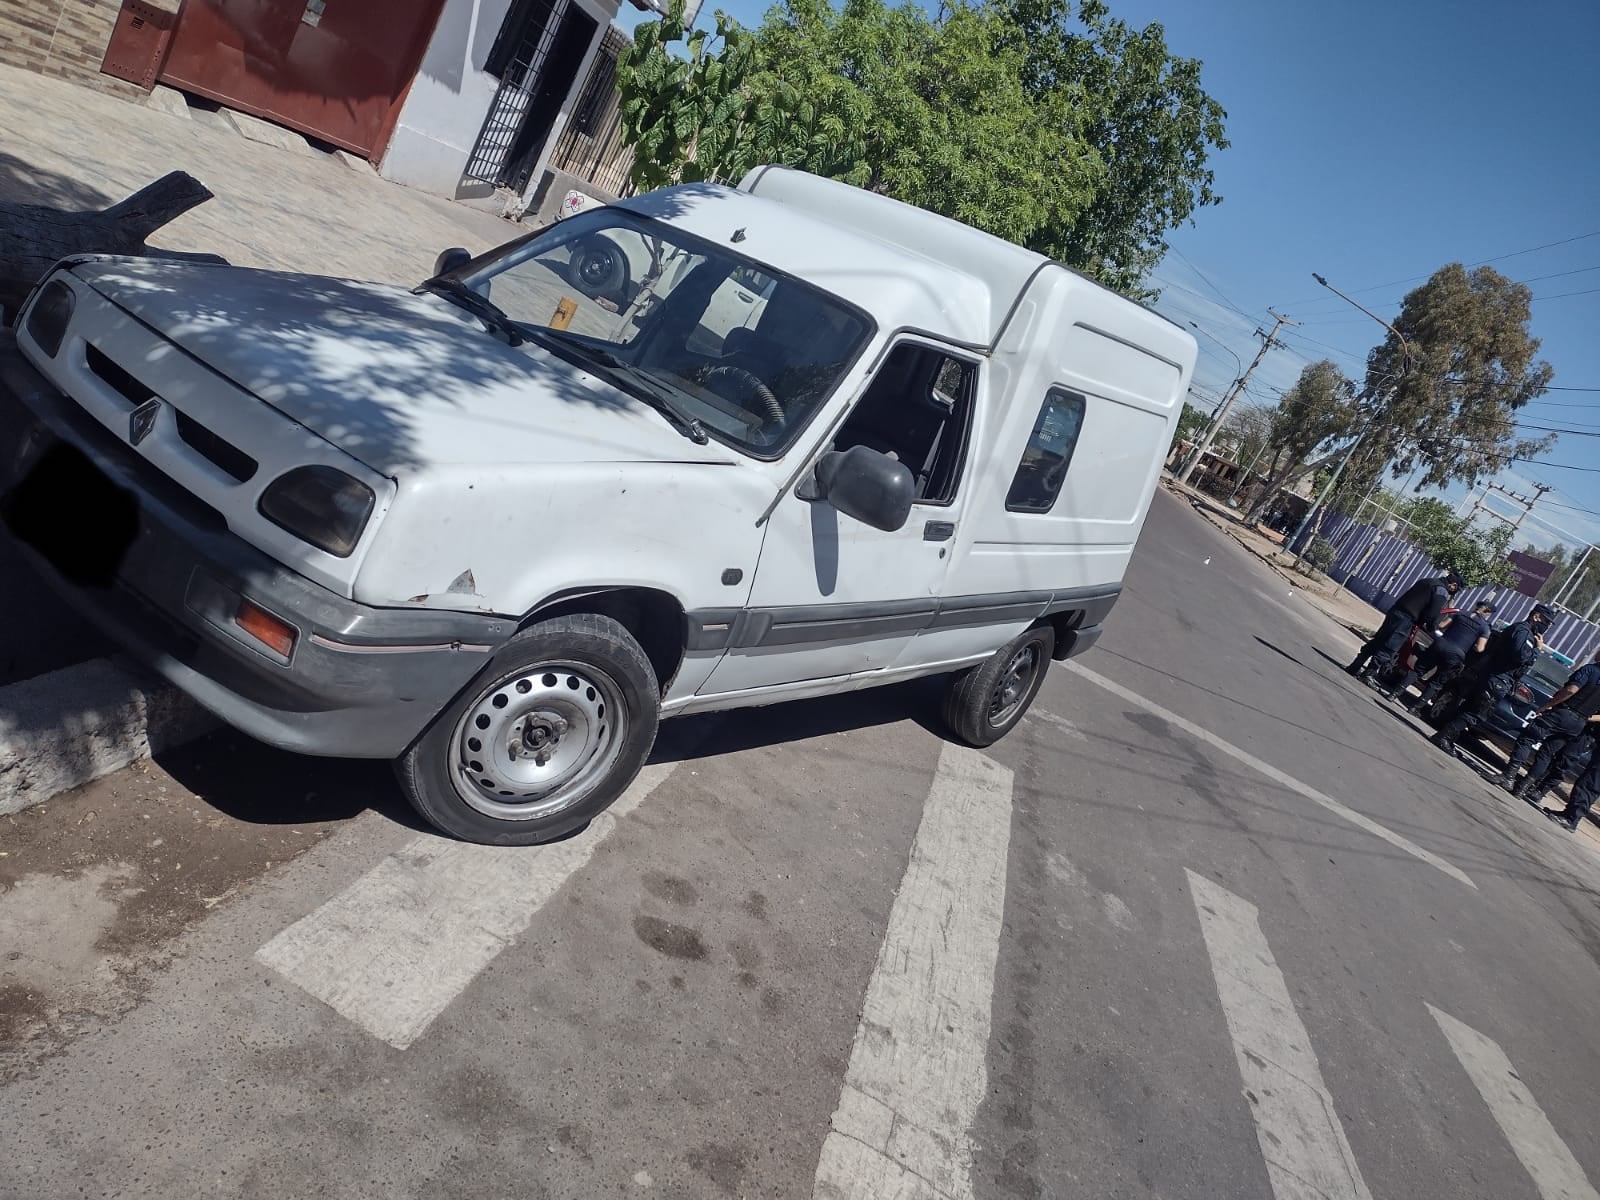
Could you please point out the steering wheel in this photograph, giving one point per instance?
(753, 382)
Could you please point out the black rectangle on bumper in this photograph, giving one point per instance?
(360, 681)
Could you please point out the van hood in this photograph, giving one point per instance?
(398, 381)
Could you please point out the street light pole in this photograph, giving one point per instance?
(1405, 366)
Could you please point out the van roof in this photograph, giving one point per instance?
(929, 272)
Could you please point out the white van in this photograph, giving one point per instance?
(811, 440)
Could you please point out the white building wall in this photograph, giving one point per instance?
(451, 95)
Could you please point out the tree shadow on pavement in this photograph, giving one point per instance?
(24, 183)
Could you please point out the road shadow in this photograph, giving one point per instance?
(1341, 663)
(740, 729)
(1284, 653)
(255, 783)
(252, 782)
(1485, 755)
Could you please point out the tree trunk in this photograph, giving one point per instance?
(34, 238)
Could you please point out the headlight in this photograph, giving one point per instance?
(323, 505)
(47, 319)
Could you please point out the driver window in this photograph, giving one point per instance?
(917, 409)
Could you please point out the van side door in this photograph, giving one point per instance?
(832, 596)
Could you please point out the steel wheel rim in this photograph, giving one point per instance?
(1012, 687)
(534, 743)
(596, 266)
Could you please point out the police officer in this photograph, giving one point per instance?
(1583, 794)
(1511, 652)
(1545, 772)
(1421, 605)
(1555, 725)
(1462, 634)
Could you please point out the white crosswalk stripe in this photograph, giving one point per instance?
(1306, 1152)
(392, 950)
(1262, 767)
(1555, 1171)
(917, 1071)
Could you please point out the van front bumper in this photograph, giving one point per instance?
(359, 681)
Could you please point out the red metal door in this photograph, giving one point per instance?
(334, 69)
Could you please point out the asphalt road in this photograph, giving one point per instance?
(1214, 922)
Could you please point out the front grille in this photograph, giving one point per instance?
(124, 384)
(221, 454)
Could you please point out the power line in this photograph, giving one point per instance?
(1207, 279)
(1377, 287)
(1564, 295)
(1172, 283)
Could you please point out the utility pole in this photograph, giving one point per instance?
(1269, 340)
(1570, 584)
(1525, 502)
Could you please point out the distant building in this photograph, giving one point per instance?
(457, 97)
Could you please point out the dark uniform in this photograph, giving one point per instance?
(1445, 657)
(1511, 652)
(1421, 605)
(1556, 728)
(1583, 794)
(1545, 772)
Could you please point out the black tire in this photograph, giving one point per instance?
(567, 713)
(976, 706)
(598, 268)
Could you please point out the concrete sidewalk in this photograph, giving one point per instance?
(294, 208)
(66, 715)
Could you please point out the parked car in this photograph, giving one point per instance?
(1510, 716)
(496, 540)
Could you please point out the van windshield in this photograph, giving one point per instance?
(748, 354)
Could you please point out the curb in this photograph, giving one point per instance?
(67, 728)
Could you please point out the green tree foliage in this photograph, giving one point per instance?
(1320, 408)
(1450, 410)
(1453, 544)
(687, 101)
(1191, 422)
(1076, 135)
(1142, 110)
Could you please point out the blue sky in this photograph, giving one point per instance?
(1372, 143)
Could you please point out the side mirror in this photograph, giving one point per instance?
(449, 260)
(871, 487)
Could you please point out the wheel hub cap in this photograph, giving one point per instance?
(528, 746)
(1013, 684)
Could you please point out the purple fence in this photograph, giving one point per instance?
(1379, 566)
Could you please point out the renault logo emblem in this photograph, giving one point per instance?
(143, 420)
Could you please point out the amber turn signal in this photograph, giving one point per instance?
(272, 633)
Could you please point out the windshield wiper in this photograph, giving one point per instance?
(656, 394)
(486, 310)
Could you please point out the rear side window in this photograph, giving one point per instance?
(1044, 463)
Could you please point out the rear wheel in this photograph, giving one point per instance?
(985, 702)
(543, 741)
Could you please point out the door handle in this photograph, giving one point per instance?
(938, 531)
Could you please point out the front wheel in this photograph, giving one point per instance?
(543, 741)
(599, 269)
(985, 702)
